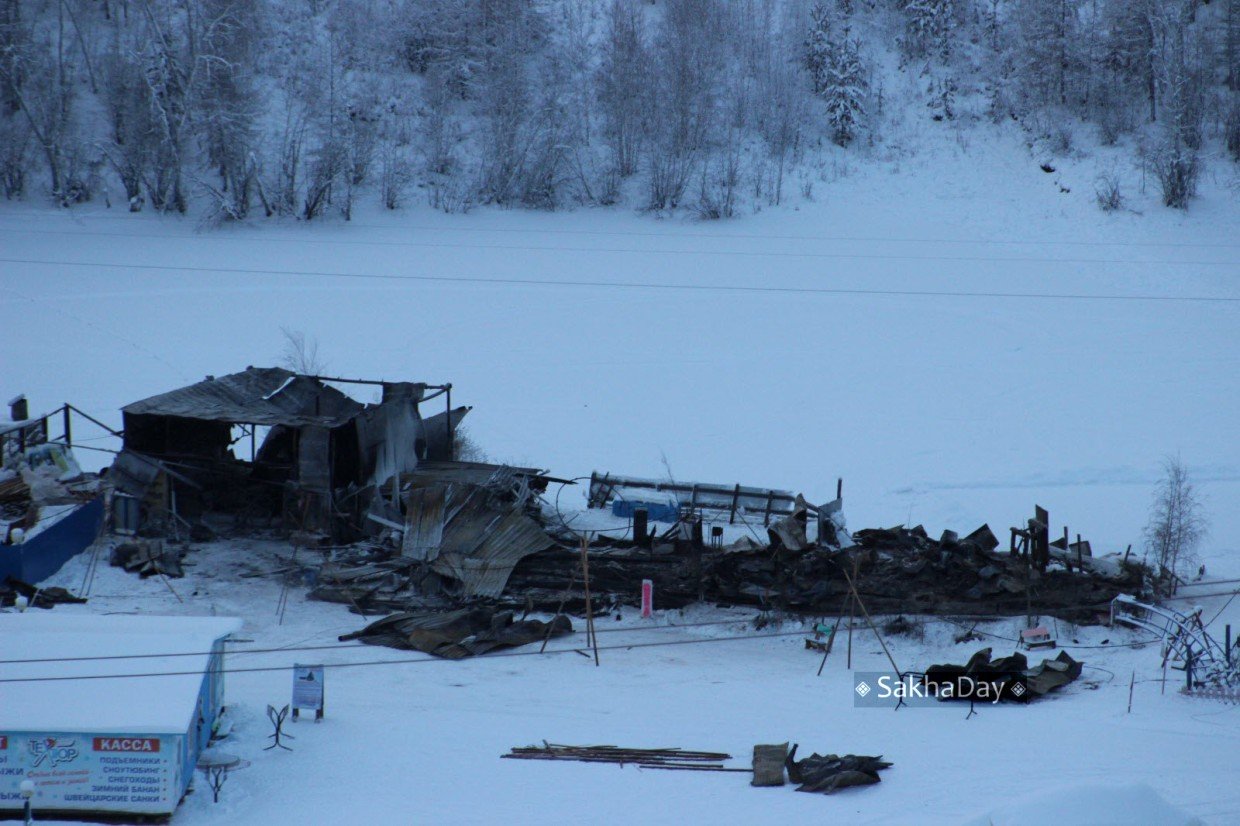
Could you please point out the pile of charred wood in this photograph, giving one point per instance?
(897, 570)
(480, 533)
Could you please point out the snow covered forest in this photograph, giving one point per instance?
(236, 109)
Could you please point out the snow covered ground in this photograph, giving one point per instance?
(419, 741)
(949, 332)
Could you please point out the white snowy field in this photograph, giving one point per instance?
(951, 333)
(896, 333)
(420, 741)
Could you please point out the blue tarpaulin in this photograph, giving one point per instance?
(655, 511)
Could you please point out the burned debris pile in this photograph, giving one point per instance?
(1008, 678)
(898, 570)
(149, 557)
(449, 531)
(453, 532)
(11, 590)
(394, 522)
(829, 773)
(456, 635)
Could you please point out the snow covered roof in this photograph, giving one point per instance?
(104, 703)
(256, 395)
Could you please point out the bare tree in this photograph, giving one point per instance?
(1177, 523)
(623, 84)
(301, 354)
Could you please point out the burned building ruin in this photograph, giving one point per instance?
(267, 445)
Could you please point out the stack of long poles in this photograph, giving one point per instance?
(666, 758)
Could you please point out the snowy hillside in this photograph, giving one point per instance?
(237, 110)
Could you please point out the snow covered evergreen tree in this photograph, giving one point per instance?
(817, 47)
(928, 26)
(844, 89)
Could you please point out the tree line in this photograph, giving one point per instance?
(301, 107)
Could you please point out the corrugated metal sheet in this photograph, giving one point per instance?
(485, 571)
(257, 395)
(470, 516)
(424, 524)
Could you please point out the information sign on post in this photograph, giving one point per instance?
(308, 690)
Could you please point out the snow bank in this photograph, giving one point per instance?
(1097, 804)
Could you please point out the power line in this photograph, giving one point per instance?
(618, 646)
(365, 663)
(837, 256)
(330, 647)
(633, 285)
(749, 236)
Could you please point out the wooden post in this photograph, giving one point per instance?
(1028, 587)
(1131, 682)
(852, 606)
(736, 496)
(834, 629)
(870, 622)
(1227, 638)
(68, 426)
(852, 613)
(451, 435)
(1079, 553)
(1188, 671)
(591, 639)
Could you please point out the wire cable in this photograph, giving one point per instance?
(638, 285)
(365, 663)
(847, 256)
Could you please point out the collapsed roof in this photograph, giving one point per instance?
(257, 395)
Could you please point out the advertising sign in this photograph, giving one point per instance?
(90, 773)
(308, 690)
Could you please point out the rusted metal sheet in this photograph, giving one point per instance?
(424, 523)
